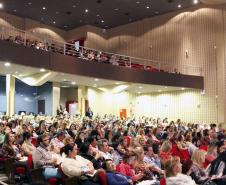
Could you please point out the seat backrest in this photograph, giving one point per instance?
(103, 178)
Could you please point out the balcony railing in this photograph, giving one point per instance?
(34, 40)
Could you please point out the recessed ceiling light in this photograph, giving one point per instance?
(156, 12)
(42, 70)
(166, 87)
(138, 2)
(182, 88)
(14, 10)
(179, 6)
(96, 79)
(74, 6)
(102, 21)
(7, 64)
(116, 9)
(54, 22)
(43, 7)
(65, 80)
(140, 87)
(29, 3)
(1, 5)
(86, 10)
(148, 7)
(73, 83)
(195, 1)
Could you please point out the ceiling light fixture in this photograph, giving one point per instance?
(140, 87)
(42, 70)
(148, 7)
(86, 10)
(43, 7)
(7, 64)
(182, 89)
(102, 21)
(54, 22)
(29, 3)
(116, 9)
(96, 79)
(74, 6)
(1, 5)
(195, 1)
(179, 6)
(73, 83)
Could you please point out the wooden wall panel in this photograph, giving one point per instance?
(199, 31)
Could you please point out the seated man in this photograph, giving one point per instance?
(113, 177)
(105, 149)
(42, 158)
(77, 166)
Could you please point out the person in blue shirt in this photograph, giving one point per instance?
(114, 177)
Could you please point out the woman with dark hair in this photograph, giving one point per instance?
(27, 146)
(217, 169)
(72, 130)
(80, 139)
(9, 150)
(87, 152)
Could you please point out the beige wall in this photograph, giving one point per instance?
(31, 25)
(190, 105)
(200, 31)
(68, 94)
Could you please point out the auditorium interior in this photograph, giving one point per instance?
(118, 92)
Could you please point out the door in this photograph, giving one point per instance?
(41, 106)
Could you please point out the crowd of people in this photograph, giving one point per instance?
(82, 52)
(128, 151)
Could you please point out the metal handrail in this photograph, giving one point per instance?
(30, 39)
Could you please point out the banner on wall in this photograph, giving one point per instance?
(123, 113)
(73, 109)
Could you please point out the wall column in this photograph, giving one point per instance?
(55, 97)
(10, 95)
(82, 96)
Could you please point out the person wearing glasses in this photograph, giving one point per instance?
(42, 158)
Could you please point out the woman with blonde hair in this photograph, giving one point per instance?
(173, 169)
(197, 171)
(165, 150)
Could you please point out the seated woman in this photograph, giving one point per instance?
(165, 151)
(9, 150)
(77, 166)
(197, 171)
(173, 169)
(140, 166)
(27, 147)
(125, 168)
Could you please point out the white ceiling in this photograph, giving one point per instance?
(69, 80)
